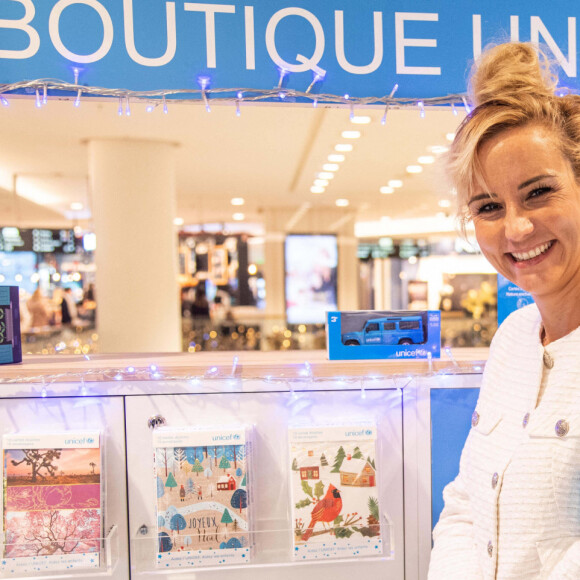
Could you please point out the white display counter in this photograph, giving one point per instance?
(125, 396)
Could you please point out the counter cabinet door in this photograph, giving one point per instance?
(185, 479)
(78, 491)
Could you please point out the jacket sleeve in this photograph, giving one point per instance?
(453, 556)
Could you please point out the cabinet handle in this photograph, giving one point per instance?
(156, 421)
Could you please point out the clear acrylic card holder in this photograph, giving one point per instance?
(270, 547)
(58, 558)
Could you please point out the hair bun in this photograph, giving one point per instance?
(510, 70)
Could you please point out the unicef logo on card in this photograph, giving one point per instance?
(368, 432)
(90, 440)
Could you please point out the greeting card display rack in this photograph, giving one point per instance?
(131, 400)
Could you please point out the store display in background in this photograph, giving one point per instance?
(510, 298)
(10, 341)
(418, 293)
(219, 265)
(52, 501)
(468, 305)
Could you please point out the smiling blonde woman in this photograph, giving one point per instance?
(513, 512)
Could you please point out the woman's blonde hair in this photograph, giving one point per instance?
(511, 85)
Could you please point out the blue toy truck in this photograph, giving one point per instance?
(389, 330)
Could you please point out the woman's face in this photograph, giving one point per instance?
(527, 218)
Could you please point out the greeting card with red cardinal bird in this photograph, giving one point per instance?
(325, 510)
(335, 497)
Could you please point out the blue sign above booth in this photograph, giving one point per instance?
(335, 47)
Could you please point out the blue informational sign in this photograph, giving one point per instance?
(509, 298)
(358, 48)
(451, 411)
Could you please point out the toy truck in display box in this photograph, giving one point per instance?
(383, 334)
(388, 330)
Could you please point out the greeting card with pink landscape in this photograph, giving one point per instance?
(52, 502)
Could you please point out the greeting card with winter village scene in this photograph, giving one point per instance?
(51, 502)
(202, 497)
(335, 505)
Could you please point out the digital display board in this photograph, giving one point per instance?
(14, 239)
(311, 282)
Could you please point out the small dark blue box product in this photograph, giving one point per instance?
(10, 343)
(383, 334)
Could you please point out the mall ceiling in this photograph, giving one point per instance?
(270, 155)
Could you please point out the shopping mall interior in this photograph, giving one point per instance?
(275, 213)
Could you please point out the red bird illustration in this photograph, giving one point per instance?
(326, 510)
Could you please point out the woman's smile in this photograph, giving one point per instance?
(533, 256)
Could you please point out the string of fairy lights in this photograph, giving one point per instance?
(227, 377)
(236, 97)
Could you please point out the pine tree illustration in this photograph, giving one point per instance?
(340, 455)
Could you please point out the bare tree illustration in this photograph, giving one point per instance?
(40, 459)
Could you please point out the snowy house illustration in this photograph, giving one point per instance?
(226, 483)
(309, 472)
(357, 472)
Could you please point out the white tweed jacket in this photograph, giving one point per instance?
(513, 512)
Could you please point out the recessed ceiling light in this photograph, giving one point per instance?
(342, 202)
(350, 134)
(395, 183)
(238, 201)
(414, 169)
(444, 203)
(178, 221)
(76, 206)
(321, 182)
(343, 147)
(438, 149)
(331, 167)
(386, 189)
(426, 159)
(336, 158)
(238, 217)
(325, 175)
(450, 136)
(360, 120)
(316, 189)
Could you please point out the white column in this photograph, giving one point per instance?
(133, 205)
(275, 280)
(348, 272)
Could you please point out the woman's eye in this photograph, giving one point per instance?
(542, 190)
(488, 207)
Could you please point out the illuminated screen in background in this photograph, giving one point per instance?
(311, 263)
